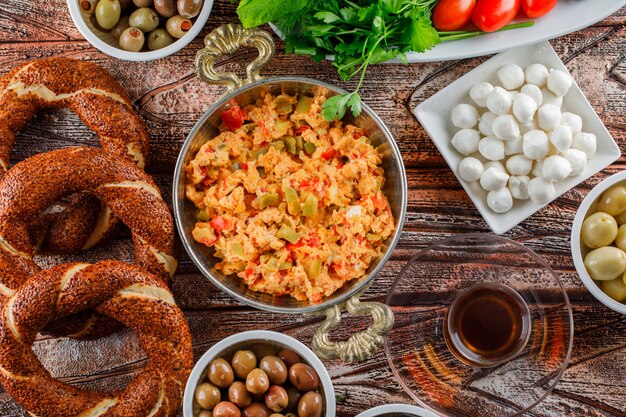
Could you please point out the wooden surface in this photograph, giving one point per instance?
(171, 100)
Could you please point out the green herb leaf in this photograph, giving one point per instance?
(421, 35)
(327, 17)
(335, 107)
(253, 13)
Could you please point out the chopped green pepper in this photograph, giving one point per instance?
(271, 265)
(203, 216)
(237, 249)
(314, 269)
(374, 237)
(235, 166)
(287, 233)
(299, 144)
(278, 145)
(290, 144)
(293, 202)
(283, 106)
(260, 151)
(304, 104)
(309, 148)
(282, 126)
(285, 265)
(310, 206)
(268, 200)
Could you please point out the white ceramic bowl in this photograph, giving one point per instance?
(404, 409)
(434, 116)
(578, 247)
(245, 339)
(106, 43)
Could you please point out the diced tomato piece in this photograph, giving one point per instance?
(294, 246)
(234, 117)
(249, 271)
(313, 240)
(329, 154)
(301, 129)
(219, 223)
(244, 166)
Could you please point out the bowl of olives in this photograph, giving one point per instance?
(140, 30)
(259, 374)
(397, 410)
(599, 242)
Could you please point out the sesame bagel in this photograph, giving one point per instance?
(118, 290)
(35, 183)
(101, 103)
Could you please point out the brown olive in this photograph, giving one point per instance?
(207, 395)
(289, 357)
(166, 8)
(294, 398)
(132, 39)
(143, 3)
(310, 405)
(276, 398)
(189, 8)
(178, 26)
(256, 410)
(275, 369)
(121, 26)
(243, 362)
(239, 395)
(257, 381)
(226, 409)
(304, 377)
(261, 350)
(205, 413)
(220, 373)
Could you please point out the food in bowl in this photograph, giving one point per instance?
(517, 141)
(259, 381)
(142, 24)
(290, 202)
(603, 237)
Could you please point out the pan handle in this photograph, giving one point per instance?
(360, 346)
(226, 40)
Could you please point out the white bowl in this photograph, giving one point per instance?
(106, 43)
(397, 408)
(434, 116)
(577, 246)
(244, 339)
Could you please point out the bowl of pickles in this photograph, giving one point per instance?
(599, 242)
(140, 30)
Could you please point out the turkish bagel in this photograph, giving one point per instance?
(101, 103)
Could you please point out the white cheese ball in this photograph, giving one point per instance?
(470, 169)
(559, 82)
(495, 164)
(535, 144)
(464, 116)
(491, 148)
(500, 200)
(572, 120)
(493, 179)
(537, 168)
(533, 92)
(518, 185)
(524, 108)
(513, 146)
(556, 168)
(541, 191)
(527, 127)
(485, 123)
(577, 160)
(519, 165)
(548, 116)
(548, 98)
(505, 127)
(536, 74)
(500, 101)
(465, 141)
(561, 137)
(480, 92)
(511, 76)
(585, 142)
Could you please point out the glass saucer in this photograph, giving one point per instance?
(421, 297)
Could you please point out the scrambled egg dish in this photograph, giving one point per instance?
(290, 202)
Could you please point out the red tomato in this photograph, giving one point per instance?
(219, 223)
(233, 118)
(491, 15)
(537, 8)
(301, 129)
(452, 14)
(329, 154)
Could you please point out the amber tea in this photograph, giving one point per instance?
(488, 324)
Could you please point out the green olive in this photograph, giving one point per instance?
(88, 7)
(108, 13)
(142, 3)
(189, 8)
(96, 25)
(613, 201)
(615, 288)
(121, 26)
(166, 8)
(620, 239)
(621, 219)
(178, 26)
(605, 263)
(599, 229)
(132, 40)
(144, 19)
(159, 38)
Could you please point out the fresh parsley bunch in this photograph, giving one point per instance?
(357, 33)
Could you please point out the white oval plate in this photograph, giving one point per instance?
(397, 408)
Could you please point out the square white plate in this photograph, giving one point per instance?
(434, 116)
